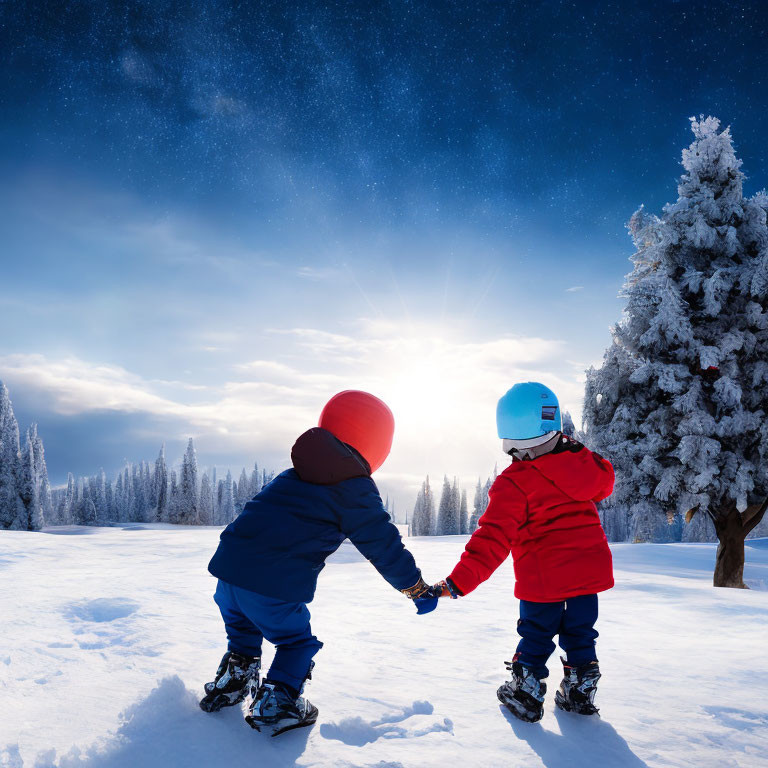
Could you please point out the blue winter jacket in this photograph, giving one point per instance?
(279, 543)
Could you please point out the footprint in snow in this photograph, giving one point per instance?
(358, 732)
(103, 609)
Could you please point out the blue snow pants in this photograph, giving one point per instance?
(572, 619)
(250, 617)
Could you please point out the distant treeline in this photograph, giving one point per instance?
(140, 493)
(451, 516)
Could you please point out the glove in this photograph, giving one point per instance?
(425, 597)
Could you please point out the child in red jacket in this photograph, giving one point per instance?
(542, 509)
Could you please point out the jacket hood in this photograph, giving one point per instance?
(319, 457)
(574, 469)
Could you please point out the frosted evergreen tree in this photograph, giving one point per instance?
(173, 499)
(139, 496)
(119, 499)
(188, 513)
(26, 483)
(67, 515)
(568, 426)
(206, 501)
(683, 415)
(445, 509)
(478, 507)
(228, 500)
(109, 513)
(448, 519)
(160, 487)
(416, 527)
(254, 482)
(148, 490)
(11, 508)
(219, 517)
(41, 475)
(463, 513)
(423, 515)
(430, 518)
(100, 498)
(129, 495)
(243, 492)
(88, 509)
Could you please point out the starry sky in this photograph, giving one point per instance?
(217, 214)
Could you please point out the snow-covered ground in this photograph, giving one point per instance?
(108, 635)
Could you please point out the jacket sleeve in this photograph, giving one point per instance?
(367, 525)
(607, 477)
(491, 543)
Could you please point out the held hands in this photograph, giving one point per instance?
(425, 597)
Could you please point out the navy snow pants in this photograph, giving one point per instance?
(572, 619)
(250, 617)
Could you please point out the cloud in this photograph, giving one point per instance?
(574, 289)
(441, 385)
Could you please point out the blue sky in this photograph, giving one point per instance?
(214, 217)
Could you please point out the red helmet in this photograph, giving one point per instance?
(362, 421)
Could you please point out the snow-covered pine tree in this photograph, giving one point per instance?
(149, 501)
(417, 515)
(173, 499)
(477, 507)
(219, 517)
(11, 508)
(463, 513)
(430, 519)
(228, 501)
(243, 492)
(88, 514)
(109, 500)
(456, 499)
(189, 499)
(119, 499)
(66, 517)
(206, 501)
(423, 515)
(100, 498)
(41, 475)
(254, 482)
(129, 491)
(568, 426)
(445, 508)
(448, 519)
(139, 502)
(160, 487)
(679, 406)
(27, 485)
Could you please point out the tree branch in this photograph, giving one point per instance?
(751, 516)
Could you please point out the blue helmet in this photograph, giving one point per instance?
(528, 410)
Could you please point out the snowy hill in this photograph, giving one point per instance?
(99, 622)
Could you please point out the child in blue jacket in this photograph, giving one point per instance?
(269, 558)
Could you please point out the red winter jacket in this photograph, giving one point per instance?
(543, 511)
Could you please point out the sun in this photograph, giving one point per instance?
(423, 395)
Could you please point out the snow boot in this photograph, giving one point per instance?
(578, 689)
(523, 695)
(276, 709)
(236, 677)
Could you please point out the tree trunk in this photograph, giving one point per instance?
(732, 529)
(729, 562)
